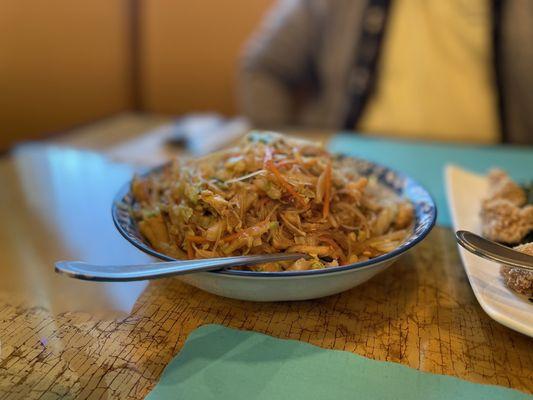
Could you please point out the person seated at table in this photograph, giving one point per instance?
(455, 70)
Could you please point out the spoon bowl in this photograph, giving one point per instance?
(493, 251)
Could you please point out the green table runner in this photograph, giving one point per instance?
(221, 363)
(425, 161)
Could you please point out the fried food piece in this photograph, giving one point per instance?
(504, 217)
(503, 221)
(501, 186)
(517, 279)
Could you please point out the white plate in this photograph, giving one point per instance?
(465, 190)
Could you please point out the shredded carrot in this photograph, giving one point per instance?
(269, 165)
(286, 163)
(231, 237)
(197, 239)
(246, 231)
(190, 253)
(327, 194)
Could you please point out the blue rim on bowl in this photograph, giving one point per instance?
(401, 184)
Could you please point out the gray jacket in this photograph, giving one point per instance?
(313, 64)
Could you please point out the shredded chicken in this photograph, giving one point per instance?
(267, 195)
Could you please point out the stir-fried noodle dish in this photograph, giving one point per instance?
(270, 194)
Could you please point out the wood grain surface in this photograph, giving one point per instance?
(421, 313)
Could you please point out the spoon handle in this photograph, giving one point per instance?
(494, 251)
(121, 273)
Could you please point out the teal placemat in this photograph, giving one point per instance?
(425, 161)
(222, 363)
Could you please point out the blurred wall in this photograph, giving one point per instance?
(68, 62)
(190, 52)
(62, 63)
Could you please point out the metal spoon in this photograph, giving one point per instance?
(493, 251)
(121, 273)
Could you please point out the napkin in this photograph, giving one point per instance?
(425, 161)
(222, 363)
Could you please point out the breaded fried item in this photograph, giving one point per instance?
(501, 186)
(503, 221)
(504, 218)
(518, 279)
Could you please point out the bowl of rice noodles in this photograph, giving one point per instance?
(272, 193)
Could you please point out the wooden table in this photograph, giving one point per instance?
(421, 312)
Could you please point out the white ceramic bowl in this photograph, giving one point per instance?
(296, 285)
(281, 288)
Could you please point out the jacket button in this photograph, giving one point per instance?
(358, 80)
(374, 19)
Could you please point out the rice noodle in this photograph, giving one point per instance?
(269, 194)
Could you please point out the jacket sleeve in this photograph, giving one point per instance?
(276, 61)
